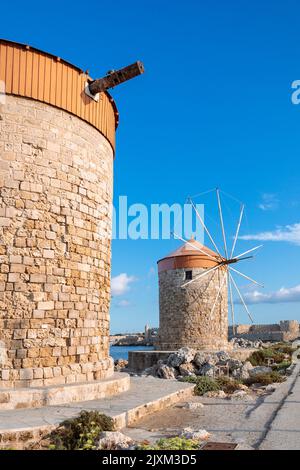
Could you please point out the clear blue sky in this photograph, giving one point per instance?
(213, 109)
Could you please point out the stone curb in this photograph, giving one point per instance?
(16, 438)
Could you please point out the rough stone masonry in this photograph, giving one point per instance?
(55, 195)
(187, 316)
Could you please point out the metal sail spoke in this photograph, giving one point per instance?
(241, 297)
(248, 251)
(202, 275)
(195, 247)
(246, 277)
(204, 226)
(231, 303)
(222, 223)
(237, 230)
(218, 294)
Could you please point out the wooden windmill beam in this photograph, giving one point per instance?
(117, 77)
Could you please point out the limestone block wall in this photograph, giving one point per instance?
(56, 174)
(290, 326)
(185, 317)
(285, 330)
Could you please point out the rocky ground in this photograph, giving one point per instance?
(266, 421)
(238, 413)
(218, 417)
(188, 362)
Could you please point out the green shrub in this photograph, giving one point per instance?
(206, 384)
(282, 366)
(192, 379)
(276, 352)
(265, 378)
(82, 432)
(227, 384)
(173, 443)
(284, 348)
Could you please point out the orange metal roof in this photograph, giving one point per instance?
(187, 256)
(31, 73)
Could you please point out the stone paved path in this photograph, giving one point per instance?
(146, 394)
(271, 423)
(284, 431)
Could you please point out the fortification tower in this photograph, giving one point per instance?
(194, 314)
(56, 180)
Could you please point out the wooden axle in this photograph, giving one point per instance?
(234, 260)
(117, 77)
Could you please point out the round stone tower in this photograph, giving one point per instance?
(56, 182)
(195, 315)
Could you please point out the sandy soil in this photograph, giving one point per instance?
(224, 418)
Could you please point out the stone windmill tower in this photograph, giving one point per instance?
(195, 284)
(57, 147)
(187, 316)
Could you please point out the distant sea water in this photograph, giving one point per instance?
(121, 352)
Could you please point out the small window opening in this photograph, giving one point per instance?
(188, 275)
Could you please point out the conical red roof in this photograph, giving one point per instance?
(190, 248)
(192, 254)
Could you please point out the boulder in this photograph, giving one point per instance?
(247, 366)
(175, 360)
(166, 372)
(272, 387)
(259, 370)
(193, 406)
(234, 364)
(120, 364)
(114, 440)
(199, 435)
(207, 369)
(245, 343)
(241, 395)
(200, 358)
(212, 359)
(243, 387)
(223, 358)
(150, 371)
(187, 353)
(183, 355)
(215, 394)
(187, 369)
(242, 372)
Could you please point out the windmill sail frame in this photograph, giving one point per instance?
(224, 260)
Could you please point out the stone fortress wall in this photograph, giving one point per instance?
(285, 330)
(56, 178)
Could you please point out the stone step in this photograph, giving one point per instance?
(145, 396)
(38, 397)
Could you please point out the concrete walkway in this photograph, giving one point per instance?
(284, 430)
(146, 395)
(269, 422)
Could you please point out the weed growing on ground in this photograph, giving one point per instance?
(209, 384)
(173, 443)
(282, 366)
(277, 351)
(265, 378)
(82, 432)
(228, 385)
